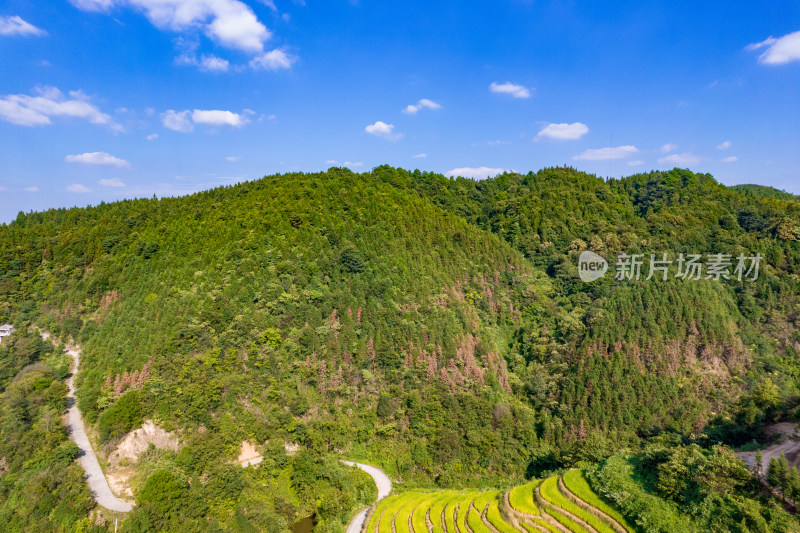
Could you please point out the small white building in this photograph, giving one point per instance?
(5, 331)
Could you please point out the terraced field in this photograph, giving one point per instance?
(564, 504)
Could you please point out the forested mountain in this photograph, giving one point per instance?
(763, 191)
(435, 326)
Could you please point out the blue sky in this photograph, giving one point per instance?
(109, 99)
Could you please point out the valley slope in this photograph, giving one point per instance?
(434, 326)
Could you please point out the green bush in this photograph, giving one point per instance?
(123, 416)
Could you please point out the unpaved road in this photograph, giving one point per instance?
(789, 447)
(384, 485)
(99, 485)
(94, 474)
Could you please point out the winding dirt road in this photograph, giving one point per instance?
(785, 432)
(99, 485)
(88, 460)
(384, 485)
(94, 474)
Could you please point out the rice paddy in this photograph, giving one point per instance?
(558, 504)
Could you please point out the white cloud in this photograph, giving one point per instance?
(424, 103)
(213, 64)
(177, 121)
(636, 163)
(669, 147)
(97, 158)
(563, 131)
(383, 130)
(420, 156)
(112, 182)
(730, 159)
(216, 117)
(273, 60)
(205, 63)
(92, 5)
(231, 23)
(32, 188)
(724, 146)
(474, 172)
(348, 164)
(152, 137)
(49, 102)
(77, 187)
(684, 160)
(604, 154)
(15, 25)
(517, 91)
(232, 158)
(779, 51)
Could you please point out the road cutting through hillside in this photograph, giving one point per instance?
(788, 444)
(384, 485)
(99, 484)
(94, 474)
(95, 477)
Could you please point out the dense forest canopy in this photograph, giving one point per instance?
(434, 326)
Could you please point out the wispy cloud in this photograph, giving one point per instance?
(184, 121)
(730, 159)
(686, 159)
(206, 63)
(112, 182)
(724, 146)
(216, 117)
(230, 23)
(177, 121)
(512, 89)
(32, 188)
(78, 187)
(563, 131)
(273, 60)
(97, 158)
(604, 154)
(347, 164)
(636, 163)
(232, 158)
(474, 172)
(779, 50)
(92, 5)
(384, 131)
(152, 137)
(424, 103)
(496, 142)
(669, 147)
(419, 156)
(48, 103)
(15, 25)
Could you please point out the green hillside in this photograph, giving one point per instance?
(764, 191)
(434, 326)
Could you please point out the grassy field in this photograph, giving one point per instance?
(552, 505)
